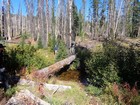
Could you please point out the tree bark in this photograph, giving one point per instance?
(47, 22)
(9, 20)
(51, 70)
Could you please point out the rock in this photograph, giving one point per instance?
(25, 97)
(47, 86)
(57, 87)
(27, 82)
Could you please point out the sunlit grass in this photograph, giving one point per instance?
(76, 95)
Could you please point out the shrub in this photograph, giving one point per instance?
(114, 60)
(94, 90)
(128, 63)
(40, 60)
(75, 64)
(10, 92)
(40, 45)
(51, 42)
(26, 56)
(121, 94)
(62, 51)
(23, 38)
(101, 70)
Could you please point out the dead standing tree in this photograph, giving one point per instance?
(69, 23)
(30, 17)
(9, 20)
(47, 21)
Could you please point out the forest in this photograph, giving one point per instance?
(70, 52)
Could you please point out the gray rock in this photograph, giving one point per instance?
(25, 97)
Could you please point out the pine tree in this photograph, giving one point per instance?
(75, 25)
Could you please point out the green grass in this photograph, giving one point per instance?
(76, 95)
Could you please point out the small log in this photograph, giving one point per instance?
(51, 70)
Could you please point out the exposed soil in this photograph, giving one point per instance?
(3, 99)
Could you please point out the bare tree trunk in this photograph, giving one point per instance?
(117, 21)
(111, 18)
(47, 21)
(83, 10)
(21, 21)
(41, 22)
(53, 19)
(9, 19)
(70, 21)
(64, 21)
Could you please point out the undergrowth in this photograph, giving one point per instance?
(27, 56)
(113, 75)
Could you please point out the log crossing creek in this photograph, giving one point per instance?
(52, 69)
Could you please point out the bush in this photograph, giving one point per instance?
(121, 94)
(10, 92)
(25, 56)
(51, 42)
(94, 90)
(23, 38)
(115, 64)
(128, 63)
(62, 51)
(114, 60)
(101, 70)
(40, 60)
(40, 45)
(75, 65)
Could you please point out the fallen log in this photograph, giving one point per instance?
(51, 70)
(25, 97)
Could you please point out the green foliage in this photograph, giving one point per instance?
(10, 91)
(101, 70)
(1, 38)
(23, 38)
(52, 42)
(75, 18)
(120, 94)
(40, 60)
(136, 100)
(75, 64)
(40, 45)
(135, 18)
(94, 90)
(62, 51)
(113, 63)
(25, 56)
(82, 55)
(128, 61)
(80, 33)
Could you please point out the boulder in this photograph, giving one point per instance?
(25, 97)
